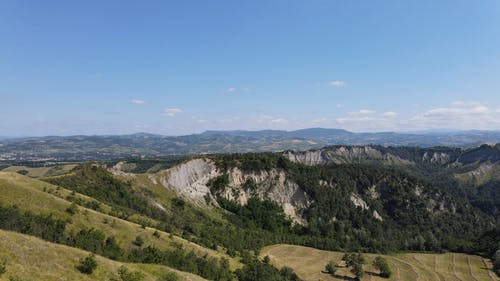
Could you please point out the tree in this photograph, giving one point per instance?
(87, 265)
(381, 264)
(331, 268)
(357, 270)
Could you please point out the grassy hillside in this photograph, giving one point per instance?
(29, 258)
(310, 263)
(33, 195)
(38, 172)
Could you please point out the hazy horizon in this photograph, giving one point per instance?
(177, 68)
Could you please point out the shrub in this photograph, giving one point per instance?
(87, 265)
(170, 276)
(3, 267)
(331, 268)
(126, 275)
(138, 241)
(72, 209)
(381, 264)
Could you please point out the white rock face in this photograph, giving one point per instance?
(308, 158)
(437, 157)
(341, 155)
(190, 179)
(272, 185)
(359, 202)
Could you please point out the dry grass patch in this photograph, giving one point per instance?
(309, 264)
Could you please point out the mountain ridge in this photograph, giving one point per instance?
(146, 145)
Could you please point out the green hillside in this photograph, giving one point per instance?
(30, 258)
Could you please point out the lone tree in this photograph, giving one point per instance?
(357, 270)
(331, 268)
(356, 261)
(87, 264)
(381, 264)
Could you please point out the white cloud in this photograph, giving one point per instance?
(362, 112)
(271, 120)
(234, 90)
(320, 120)
(279, 121)
(459, 115)
(339, 105)
(390, 114)
(138, 102)
(171, 112)
(338, 84)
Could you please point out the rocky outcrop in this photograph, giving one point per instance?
(273, 185)
(344, 155)
(190, 180)
(359, 202)
(436, 157)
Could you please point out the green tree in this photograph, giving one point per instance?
(87, 265)
(357, 270)
(331, 268)
(381, 264)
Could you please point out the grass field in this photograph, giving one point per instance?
(309, 263)
(29, 258)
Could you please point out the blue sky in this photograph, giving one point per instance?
(180, 67)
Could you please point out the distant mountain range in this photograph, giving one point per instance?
(71, 148)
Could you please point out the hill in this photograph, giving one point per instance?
(83, 148)
(310, 263)
(30, 258)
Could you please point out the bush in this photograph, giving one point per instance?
(331, 268)
(126, 275)
(381, 264)
(138, 241)
(3, 267)
(88, 264)
(357, 270)
(170, 276)
(72, 209)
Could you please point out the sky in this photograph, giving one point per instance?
(181, 67)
